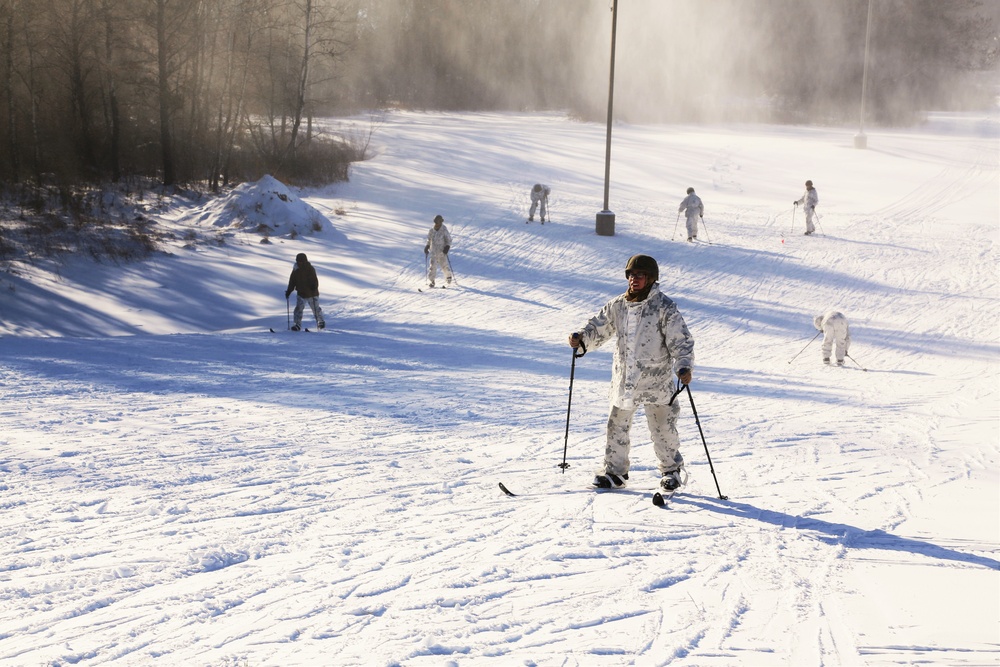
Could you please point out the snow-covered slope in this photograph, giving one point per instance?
(215, 494)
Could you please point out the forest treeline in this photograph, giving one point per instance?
(220, 91)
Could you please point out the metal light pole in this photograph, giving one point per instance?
(860, 140)
(606, 219)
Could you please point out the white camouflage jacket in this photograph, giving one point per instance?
(539, 195)
(653, 343)
(834, 326)
(437, 239)
(692, 206)
(810, 198)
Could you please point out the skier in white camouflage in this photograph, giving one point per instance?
(539, 195)
(835, 330)
(809, 200)
(693, 209)
(438, 245)
(653, 346)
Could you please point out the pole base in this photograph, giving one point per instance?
(861, 140)
(605, 223)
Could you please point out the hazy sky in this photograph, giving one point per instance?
(675, 59)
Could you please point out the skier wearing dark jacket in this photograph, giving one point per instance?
(304, 282)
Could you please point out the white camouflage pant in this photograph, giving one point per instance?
(535, 201)
(692, 225)
(834, 335)
(300, 305)
(437, 258)
(810, 211)
(662, 421)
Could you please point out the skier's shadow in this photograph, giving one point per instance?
(839, 534)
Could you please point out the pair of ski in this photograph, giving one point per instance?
(659, 498)
(304, 329)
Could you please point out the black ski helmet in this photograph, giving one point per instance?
(809, 183)
(690, 191)
(438, 218)
(301, 258)
(643, 263)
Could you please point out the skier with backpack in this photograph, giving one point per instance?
(835, 330)
(693, 210)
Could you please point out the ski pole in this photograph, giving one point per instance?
(707, 235)
(288, 315)
(807, 345)
(675, 226)
(819, 222)
(454, 278)
(548, 211)
(569, 403)
(702, 433)
(855, 361)
(795, 207)
(427, 264)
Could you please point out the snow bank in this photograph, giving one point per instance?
(266, 206)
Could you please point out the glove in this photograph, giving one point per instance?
(427, 249)
(288, 293)
(684, 375)
(795, 203)
(446, 249)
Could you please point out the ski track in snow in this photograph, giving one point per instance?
(234, 497)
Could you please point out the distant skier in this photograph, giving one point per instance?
(438, 245)
(539, 195)
(809, 199)
(653, 344)
(693, 209)
(304, 282)
(835, 330)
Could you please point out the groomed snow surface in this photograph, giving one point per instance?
(179, 486)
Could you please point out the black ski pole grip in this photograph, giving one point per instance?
(680, 388)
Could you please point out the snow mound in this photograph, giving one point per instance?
(266, 206)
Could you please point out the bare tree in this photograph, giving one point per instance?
(71, 25)
(173, 31)
(7, 10)
(30, 78)
(221, 90)
(110, 75)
